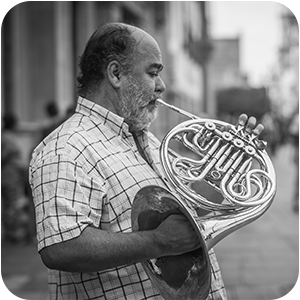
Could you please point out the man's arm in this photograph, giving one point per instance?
(97, 250)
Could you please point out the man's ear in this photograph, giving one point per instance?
(114, 73)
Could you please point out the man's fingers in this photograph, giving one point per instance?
(242, 120)
(250, 124)
(258, 129)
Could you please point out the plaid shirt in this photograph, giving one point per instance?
(86, 173)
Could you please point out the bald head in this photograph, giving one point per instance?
(145, 42)
(113, 41)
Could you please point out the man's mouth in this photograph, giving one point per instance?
(152, 102)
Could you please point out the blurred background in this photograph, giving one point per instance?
(221, 57)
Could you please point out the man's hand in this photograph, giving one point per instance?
(249, 125)
(177, 235)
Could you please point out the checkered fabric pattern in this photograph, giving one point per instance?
(86, 173)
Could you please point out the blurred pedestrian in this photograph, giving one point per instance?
(294, 137)
(271, 133)
(14, 202)
(53, 118)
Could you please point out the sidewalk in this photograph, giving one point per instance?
(23, 273)
(258, 262)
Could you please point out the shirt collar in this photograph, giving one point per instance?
(101, 115)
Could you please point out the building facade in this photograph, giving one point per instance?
(223, 69)
(42, 41)
(284, 82)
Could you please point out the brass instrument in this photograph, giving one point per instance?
(221, 160)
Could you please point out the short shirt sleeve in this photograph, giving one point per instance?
(67, 199)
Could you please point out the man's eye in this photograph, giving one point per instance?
(154, 74)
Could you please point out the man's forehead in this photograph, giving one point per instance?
(147, 49)
(150, 51)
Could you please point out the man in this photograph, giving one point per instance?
(85, 174)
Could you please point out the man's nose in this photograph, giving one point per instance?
(160, 85)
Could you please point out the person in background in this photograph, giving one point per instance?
(293, 129)
(55, 119)
(85, 174)
(53, 115)
(271, 133)
(15, 204)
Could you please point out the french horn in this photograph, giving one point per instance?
(219, 161)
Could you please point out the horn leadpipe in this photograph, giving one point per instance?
(178, 110)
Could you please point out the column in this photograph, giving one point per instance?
(65, 80)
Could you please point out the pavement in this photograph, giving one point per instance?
(23, 273)
(261, 261)
(258, 262)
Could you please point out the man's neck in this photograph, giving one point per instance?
(105, 99)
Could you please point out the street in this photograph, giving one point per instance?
(260, 261)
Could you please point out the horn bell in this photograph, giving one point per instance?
(186, 276)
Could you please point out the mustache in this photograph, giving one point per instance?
(153, 101)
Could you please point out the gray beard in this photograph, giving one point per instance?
(133, 106)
